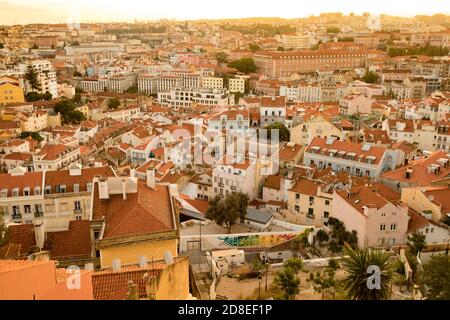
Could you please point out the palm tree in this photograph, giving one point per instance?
(357, 283)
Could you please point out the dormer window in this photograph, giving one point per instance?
(48, 189)
(89, 186)
(26, 191)
(37, 191)
(76, 187)
(15, 192)
(3, 193)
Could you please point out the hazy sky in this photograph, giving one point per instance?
(31, 11)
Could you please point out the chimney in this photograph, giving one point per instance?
(143, 261)
(103, 188)
(116, 265)
(132, 173)
(150, 177)
(39, 235)
(124, 189)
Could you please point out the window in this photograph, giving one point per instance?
(393, 227)
(26, 191)
(48, 189)
(382, 227)
(297, 208)
(311, 212)
(27, 208)
(15, 192)
(89, 186)
(77, 205)
(327, 202)
(76, 187)
(37, 191)
(326, 214)
(16, 210)
(297, 196)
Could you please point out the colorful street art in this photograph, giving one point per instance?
(255, 240)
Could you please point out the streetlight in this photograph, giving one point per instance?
(259, 288)
(267, 271)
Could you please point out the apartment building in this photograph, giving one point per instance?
(233, 120)
(46, 76)
(277, 64)
(422, 172)
(212, 82)
(236, 175)
(180, 98)
(319, 125)
(53, 198)
(236, 85)
(147, 84)
(354, 158)
(55, 157)
(272, 109)
(378, 222)
(355, 104)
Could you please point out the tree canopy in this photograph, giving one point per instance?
(333, 30)
(68, 113)
(113, 103)
(226, 211)
(221, 57)
(245, 65)
(416, 242)
(370, 77)
(359, 277)
(31, 76)
(283, 132)
(436, 278)
(287, 283)
(254, 47)
(35, 135)
(431, 51)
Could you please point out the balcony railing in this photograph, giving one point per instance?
(77, 211)
(17, 216)
(38, 214)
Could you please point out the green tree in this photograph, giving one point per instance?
(31, 76)
(68, 113)
(225, 212)
(133, 89)
(35, 135)
(245, 65)
(3, 229)
(47, 96)
(333, 30)
(113, 103)
(294, 263)
(287, 282)
(436, 278)
(33, 96)
(1, 45)
(254, 47)
(221, 57)
(281, 49)
(356, 263)
(283, 132)
(416, 242)
(370, 77)
(322, 236)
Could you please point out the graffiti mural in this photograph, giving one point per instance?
(255, 240)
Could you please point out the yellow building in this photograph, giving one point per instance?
(315, 126)
(148, 280)
(11, 93)
(131, 219)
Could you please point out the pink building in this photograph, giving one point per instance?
(378, 219)
(41, 280)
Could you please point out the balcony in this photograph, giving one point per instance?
(77, 211)
(17, 216)
(38, 214)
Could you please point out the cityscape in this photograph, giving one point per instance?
(186, 151)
